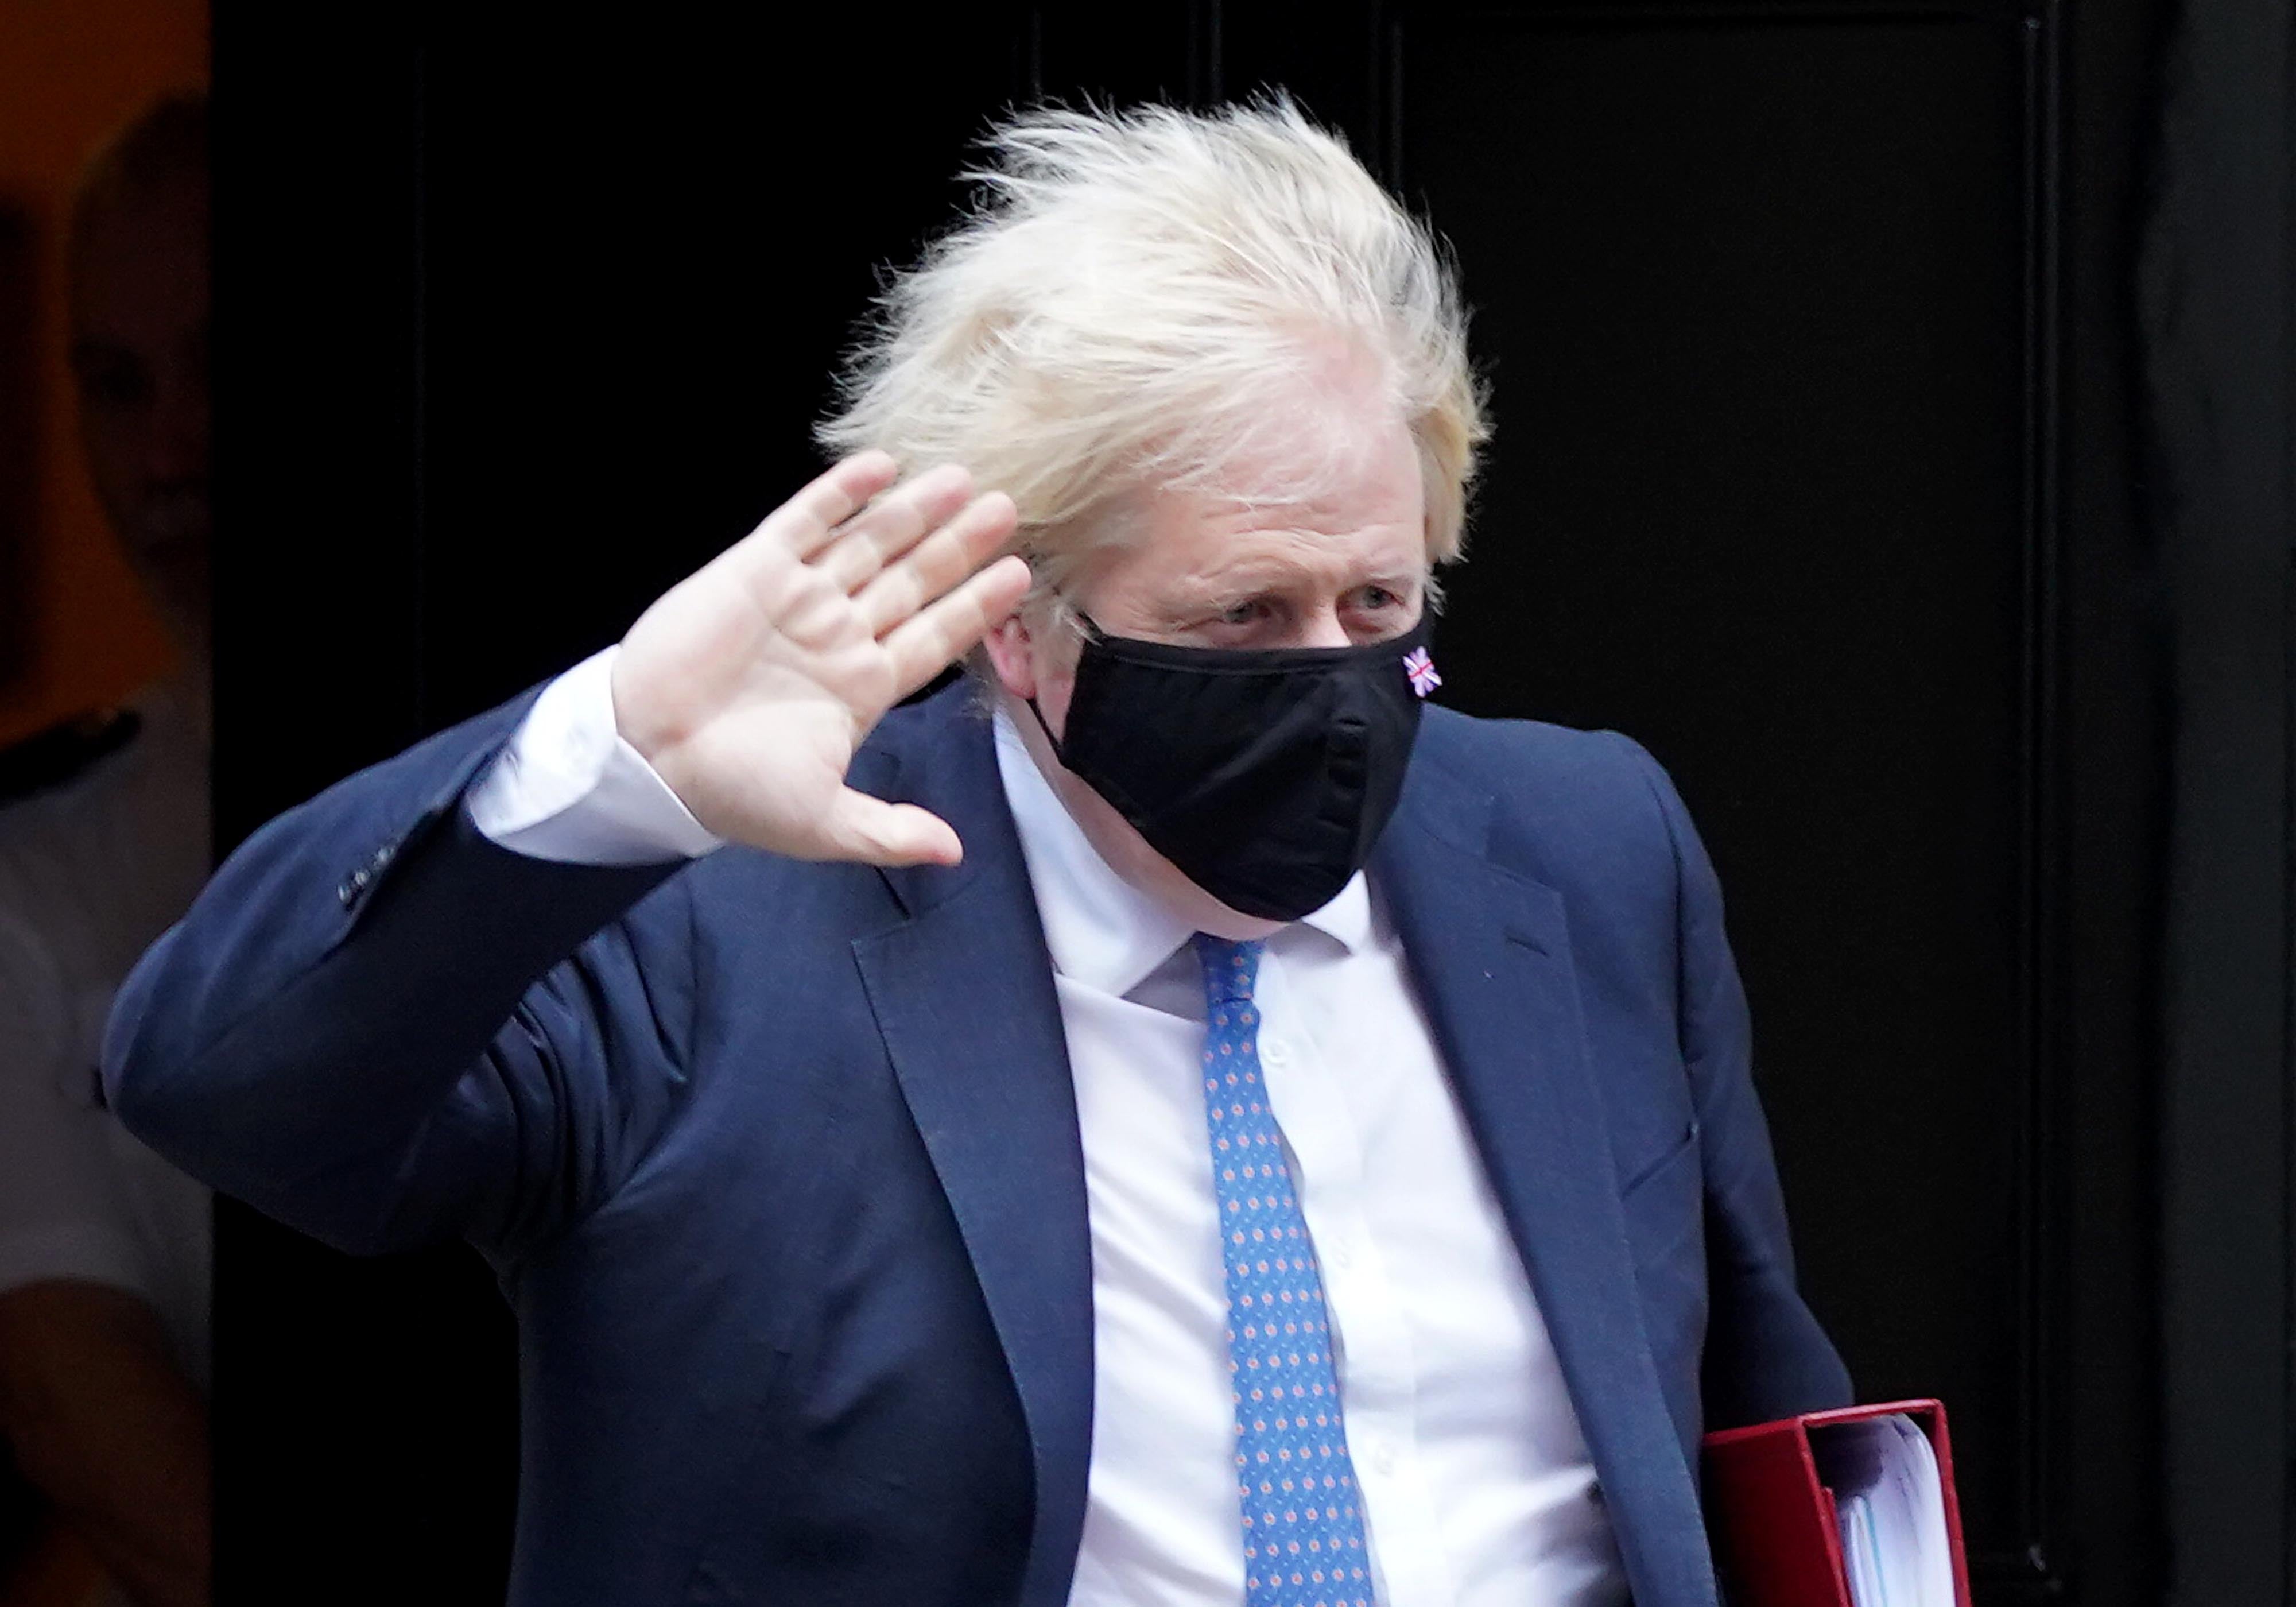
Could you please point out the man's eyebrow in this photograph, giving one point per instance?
(1275, 575)
(1199, 591)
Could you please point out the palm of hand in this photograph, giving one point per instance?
(749, 686)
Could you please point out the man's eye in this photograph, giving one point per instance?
(1244, 613)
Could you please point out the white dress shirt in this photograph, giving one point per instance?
(91, 871)
(1477, 1486)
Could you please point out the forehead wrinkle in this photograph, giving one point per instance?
(1293, 561)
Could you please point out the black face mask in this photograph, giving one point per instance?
(1266, 774)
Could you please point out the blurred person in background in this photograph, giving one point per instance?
(104, 1248)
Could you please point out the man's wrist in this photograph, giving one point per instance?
(570, 786)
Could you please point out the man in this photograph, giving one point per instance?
(103, 1247)
(1171, 1123)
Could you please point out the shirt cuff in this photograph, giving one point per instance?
(569, 788)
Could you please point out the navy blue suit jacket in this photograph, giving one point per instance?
(778, 1162)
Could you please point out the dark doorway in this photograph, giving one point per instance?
(1809, 332)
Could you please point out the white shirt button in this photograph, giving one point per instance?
(1383, 1459)
(1275, 1052)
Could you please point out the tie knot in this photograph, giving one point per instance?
(1229, 969)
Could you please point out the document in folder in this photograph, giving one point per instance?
(1854, 1508)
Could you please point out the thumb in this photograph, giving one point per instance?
(873, 832)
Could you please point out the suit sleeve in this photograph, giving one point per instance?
(385, 1029)
(1765, 1355)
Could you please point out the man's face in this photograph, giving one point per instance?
(140, 358)
(1347, 568)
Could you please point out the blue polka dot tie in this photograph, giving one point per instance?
(1303, 1529)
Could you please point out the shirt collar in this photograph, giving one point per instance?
(1102, 931)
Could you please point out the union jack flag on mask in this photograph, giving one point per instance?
(1421, 669)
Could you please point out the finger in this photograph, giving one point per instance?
(808, 519)
(871, 832)
(807, 522)
(937, 564)
(923, 647)
(892, 525)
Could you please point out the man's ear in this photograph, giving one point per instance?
(1012, 653)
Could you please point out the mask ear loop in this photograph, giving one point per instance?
(1092, 632)
(1053, 741)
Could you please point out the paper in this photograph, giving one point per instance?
(1891, 1504)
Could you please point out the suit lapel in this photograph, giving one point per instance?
(962, 993)
(1489, 951)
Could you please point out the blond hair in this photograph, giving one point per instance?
(1141, 300)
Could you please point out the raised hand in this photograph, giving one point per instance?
(750, 684)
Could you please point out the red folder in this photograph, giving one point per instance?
(1772, 1522)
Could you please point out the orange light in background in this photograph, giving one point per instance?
(71, 72)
